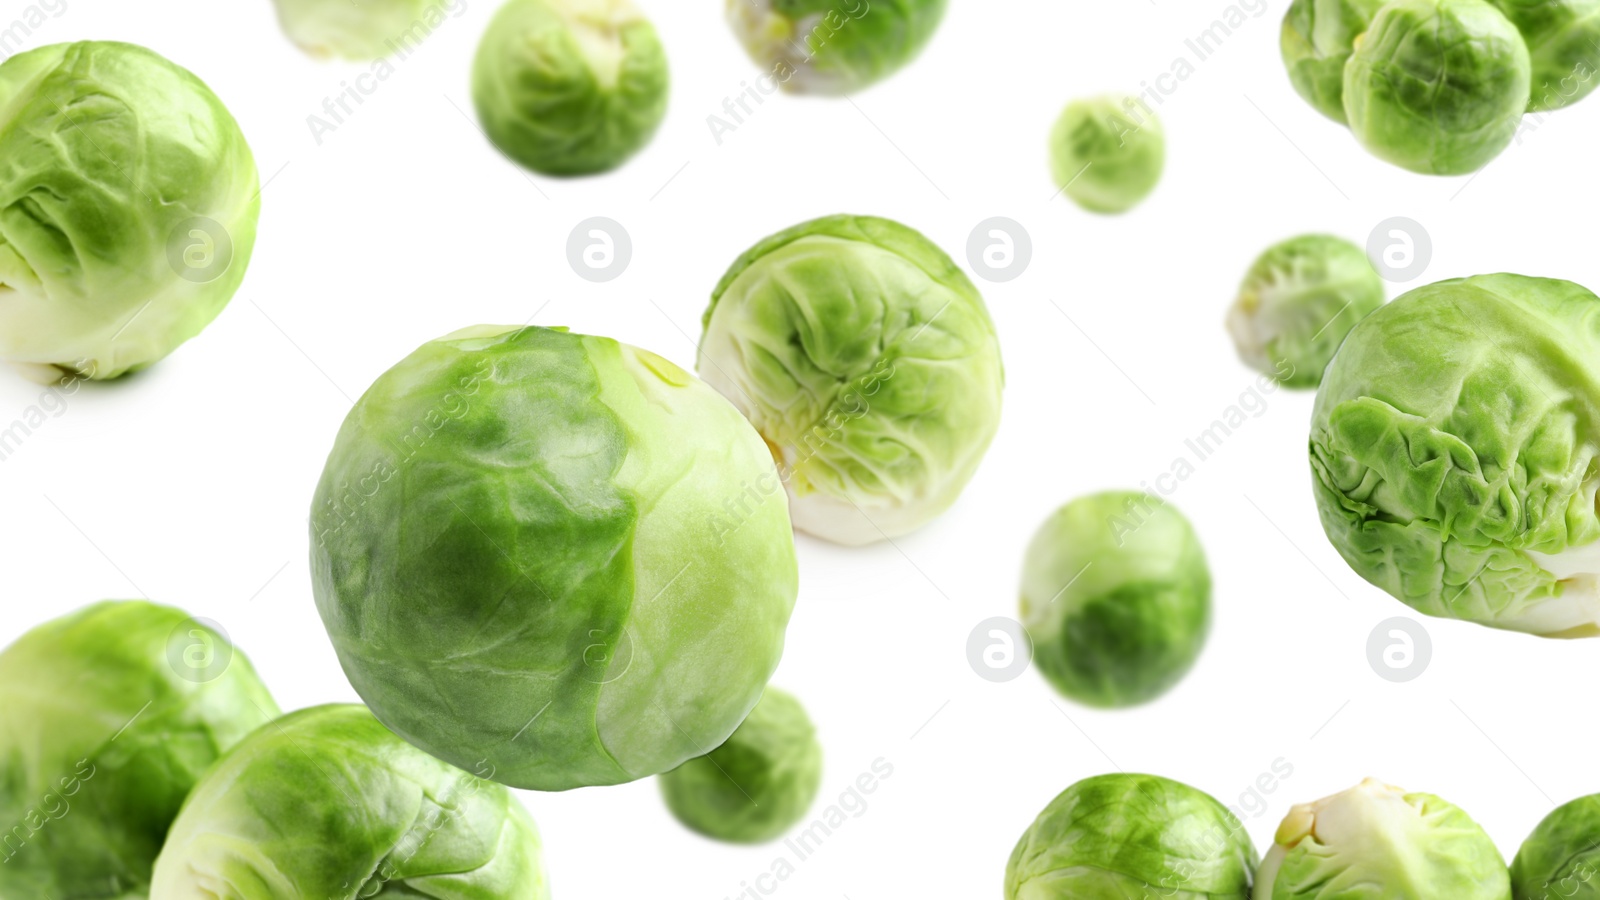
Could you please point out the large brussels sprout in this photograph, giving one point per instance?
(1453, 449)
(128, 206)
(1116, 597)
(326, 802)
(1316, 41)
(758, 783)
(1437, 86)
(522, 553)
(1107, 153)
(570, 87)
(108, 716)
(1297, 303)
(363, 29)
(833, 46)
(1379, 842)
(868, 362)
(1114, 837)
(1561, 858)
(1562, 38)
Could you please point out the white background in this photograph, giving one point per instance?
(191, 484)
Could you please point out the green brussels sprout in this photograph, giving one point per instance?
(1563, 39)
(128, 207)
(1107, 152)
(1453, 452)
(570, 87)
(867, 360)
(362, 29)
(1377, 841)
(1561, 858)
(757, 784)
(1317, 39)
(1297, 302)
(519, 552)
(1116, 597)
(326, 802)
(833, 46)
(1120, 836)
(108, 716)
(1437, 86)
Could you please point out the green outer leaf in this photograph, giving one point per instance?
(1561, 858)
(106, 151)
(1107, 152)
(364, 30)
(759, 783)
(1297, 303)
(516, 553)
(1437, 86)
(1562, 36)
(570, 87)
(833, 46)
(1457, 429)
(104, 739)
(327, 803)
(1317, 39)
(1113, 837)
(867, 359)
(1116, 597)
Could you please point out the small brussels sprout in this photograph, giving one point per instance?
(128, 206)
(1375, 840)
(1297, 302)
(1562, 37)
(521, 550)
(866, 359)
(757, 784)
(1107, 152)
(1317, 38)
(1453, 456)
(570, 87)
(833, 46)
(326, 802)
(1437, 86)
(362, 29)
(1561, 858)
(108, 717)
(1116, 597)
(1121, 836)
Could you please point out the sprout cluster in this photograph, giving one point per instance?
(1440, 86)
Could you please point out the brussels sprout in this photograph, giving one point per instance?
(1121, 836)
(1563, 39)
(1297, 302)
(1107, 152)
(1317, 38)
(326, 802)
(1453, 452)
(362, 29)
(867, 361)
(519, 549)
(1116, 598)
(570, 87)
(128, 206)
(1561, 858)
(833, 46)
(108, 716)
(758, 783)
(1376, 840)
(1437, 86)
